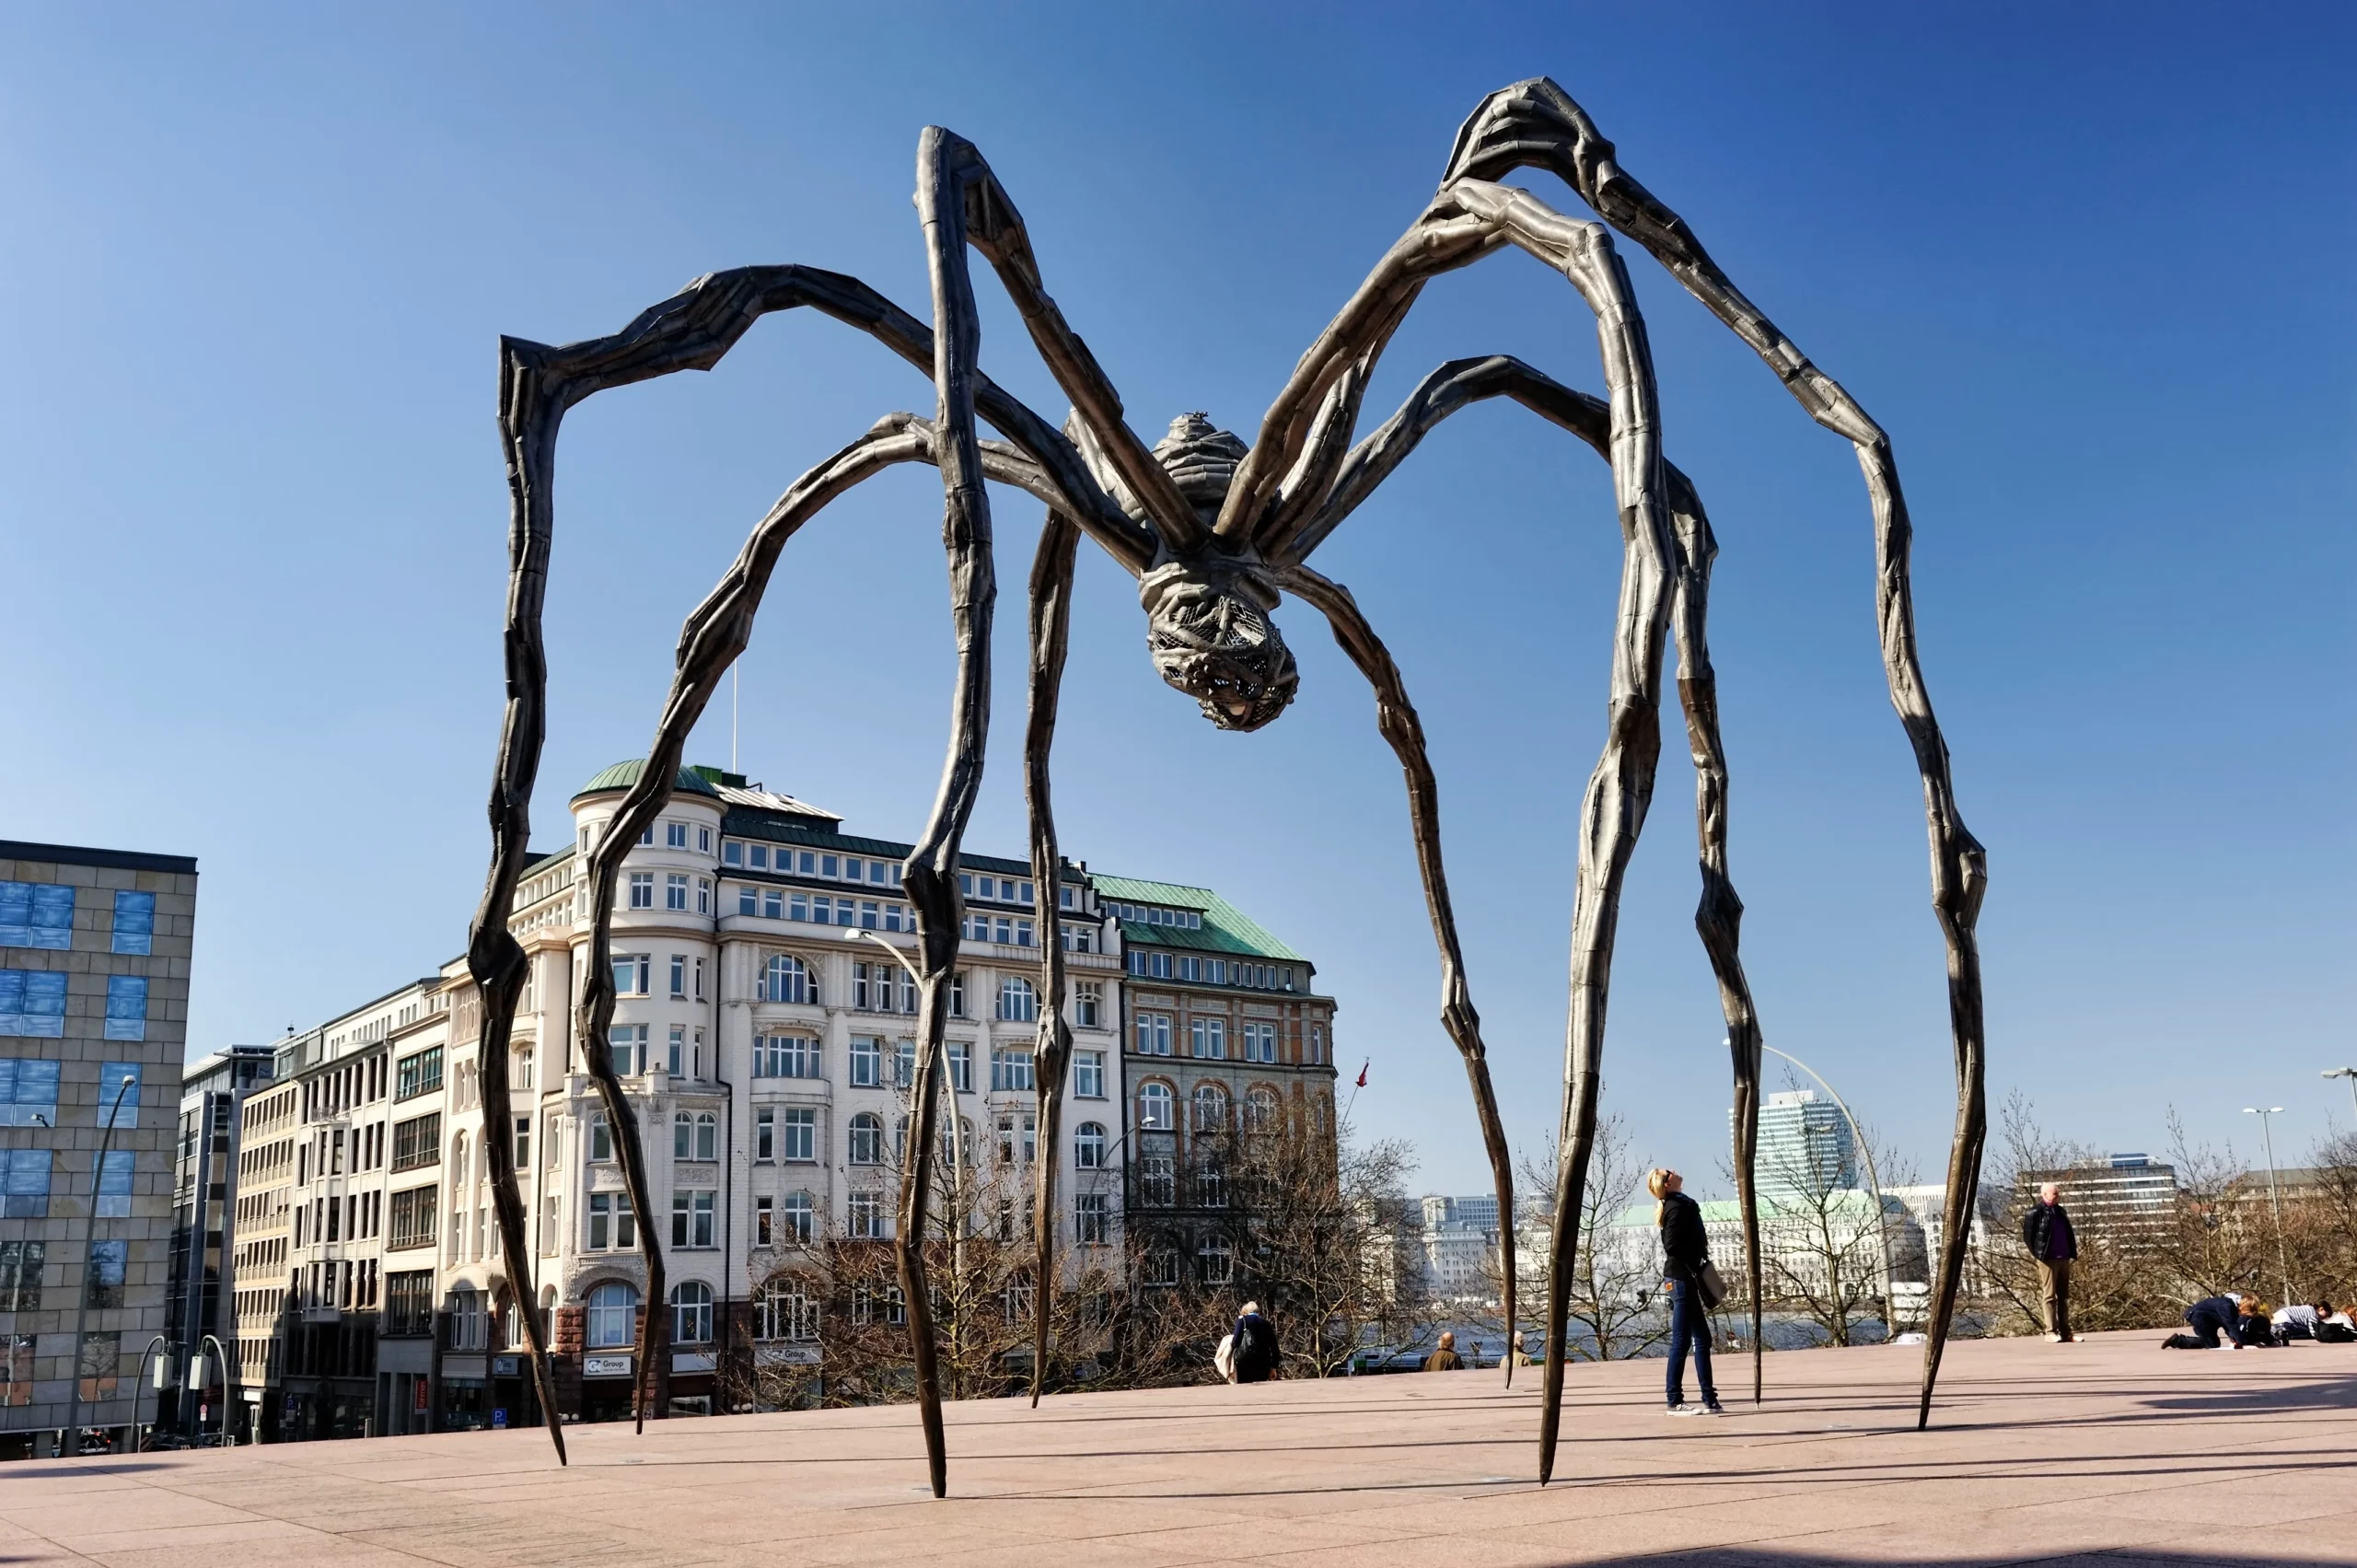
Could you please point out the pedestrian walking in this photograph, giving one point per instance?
(1445, 1359)
(1256, 1346)
(1686, 1252)
(2048, 1237)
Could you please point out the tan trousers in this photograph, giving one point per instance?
(2056, 1277)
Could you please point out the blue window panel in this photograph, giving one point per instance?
(33, 1002)
(27, 1093)
(110, 1081)
(112, 1181)
(24, 1184)
(134, 922)
(36, 914)
(126, 1006)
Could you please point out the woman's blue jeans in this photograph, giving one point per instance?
(1688, 1324)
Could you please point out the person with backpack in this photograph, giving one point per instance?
(1255, 1347)
(2047, 1237)
(1685, 1253)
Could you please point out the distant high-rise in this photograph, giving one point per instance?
(1805, 1148)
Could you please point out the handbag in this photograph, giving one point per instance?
(1707, 1283)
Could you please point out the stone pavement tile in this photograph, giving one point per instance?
(2329, 1538)
(137, 1508)
(1429, 1552)
(1624, 1535)
(2223, 1501)
(1989, 1536)
(1259, 1538)
(103, 1537)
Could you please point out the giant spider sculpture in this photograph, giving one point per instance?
(1217, 533)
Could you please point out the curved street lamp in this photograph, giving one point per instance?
(162, 1367)
(1874, 1182)
(2267, 1134)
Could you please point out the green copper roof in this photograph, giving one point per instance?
(622, 775)
(1226, 928)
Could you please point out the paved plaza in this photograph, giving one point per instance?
(2108, 1451)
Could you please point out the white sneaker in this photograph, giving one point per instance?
(2053, 1338)
(1689, 1409)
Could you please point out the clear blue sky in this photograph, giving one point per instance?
(2089, 265)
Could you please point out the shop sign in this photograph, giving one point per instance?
(605, 1365)
(417, 1401)
(503, 1366)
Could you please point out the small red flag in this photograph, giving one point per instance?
(1363, 1067)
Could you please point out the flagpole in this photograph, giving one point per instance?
(1356, 1087)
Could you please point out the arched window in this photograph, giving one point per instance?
(1088, 1146)
(683, 1135)
(866, 1139)
(1210, 1108)
(707, 1135)
(1261, 1110)
(1017, 1003)
(613, 1315)
(520, 1075)
(787, 979)
(691, 1312)
(1155, 1114)
(801, 1218)
(458, 1164)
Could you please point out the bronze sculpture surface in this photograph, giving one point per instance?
(1217, 532)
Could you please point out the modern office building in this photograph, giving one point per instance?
(200, 1381)
(1805, 1147)
(2115, 1198)
(1226, 1034)
(94, 971)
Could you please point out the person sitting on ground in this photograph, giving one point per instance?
(2210, 1317)
(2258, 1330)
(2335, 1328)
(1445, 1359)
(2297, 1322)
(1256, 1346)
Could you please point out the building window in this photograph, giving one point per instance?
(675, 835)
(783, 1311)
(801, 1134)
(1158, 1181)
(134, 921)
(692, 1215)
(691, 1309)
(801, 1218)
(1018, 1138)
(1088, 1146)
(641, 889)
(1209, 1038)
(867, 1211)
(409, 1304)
(765, 1134)
(32, 1003)
(1210, 1109)
(612, 1226)
(957, 994)
(1154, 1109)
(675, 891)
(126, 1006)
(675, 1060)
(418, 1075)
(695, 1136)
(961, 1066)
(20, 1270)
(1088, 1073)
(787, 979)
(417, 1141)
(601, 1139)
(41, 914)
(764, 1220)
(1261, 1110)
(1010, 1068)
(1088, 1003)
(785, 1056)
(1089, 1215)
(412, 1222)
(109, 1266)
(1153, 1034)
(119, 1095)
(866, 1063)
(612, 1316)
(470, 1323)
(1018, 1002)
(1160, 1267)
(1260, 1042)
(28, 1086)
(866, 1139)
(633, 974)
(628, 1044)
(111, 1180)
(1216, 1257)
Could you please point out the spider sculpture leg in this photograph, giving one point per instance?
(1051, 628)
(539, 384)
(1718, 917)
(1396, 720)
(1534, 124)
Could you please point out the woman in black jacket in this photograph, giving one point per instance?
(1685, 1246)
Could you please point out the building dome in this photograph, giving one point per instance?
(622, 775)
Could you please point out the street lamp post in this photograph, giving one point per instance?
(1874, 1182)
(163, 1368)
(2266, 1135)
(89, 1239)
(2349, 1074)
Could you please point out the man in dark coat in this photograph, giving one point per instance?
(2048, 1237)
(1445, 1359)
(1256, 1346)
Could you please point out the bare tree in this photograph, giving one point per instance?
(1613, 1304)
(1826, 1246)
